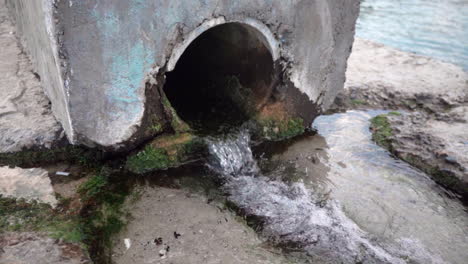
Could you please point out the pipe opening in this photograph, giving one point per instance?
(222, 78)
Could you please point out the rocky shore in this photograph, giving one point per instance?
(437, 146)
(382, 77)
(432, 97)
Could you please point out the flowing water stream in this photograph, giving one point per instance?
(336, 197)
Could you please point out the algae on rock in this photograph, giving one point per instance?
(166, 152)
(30, 158)
(381, 130)
(276, 130)
(18, 215)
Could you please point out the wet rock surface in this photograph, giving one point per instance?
(398, 205)
(27, 248)
(438, 146)
(176, 226)
(431, 133)
(26, 120)
(39, 217)
(382, 77)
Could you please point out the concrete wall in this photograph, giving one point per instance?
(96, 56)
(35, 25)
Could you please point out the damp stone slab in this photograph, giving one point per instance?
(26, 120)
(435, 145)
(29, 184)
(103, 63)
(29, 247)
(176, 226)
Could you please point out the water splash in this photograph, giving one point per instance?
(293, 217)
(231, 156)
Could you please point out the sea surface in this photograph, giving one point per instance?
(434, 28)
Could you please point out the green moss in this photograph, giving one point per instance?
(105, 216)
(22, 216)
(70, 230)
(393, 113)
(149, 159)
(177, 124)
(97, 216)
(357, 102)
(74, 154)
(104, 195)
(381, 131)
(93, 187)
(156, 128)
(445, 178)
(165, 152)
(448, 180)
(276, 130)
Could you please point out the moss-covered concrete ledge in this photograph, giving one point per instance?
(428, 144)
(176, 149)
(165, 152)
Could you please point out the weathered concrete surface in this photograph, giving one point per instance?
(30, 184)
(382, 77)
(26, 120)
(97, 59)
(174, 226)
(438, 146)
(27, 248)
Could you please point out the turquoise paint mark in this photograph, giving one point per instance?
(111, 25)
(128, 60)
(127, 74)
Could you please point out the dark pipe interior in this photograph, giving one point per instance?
(221, 78)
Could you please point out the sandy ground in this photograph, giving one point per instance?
(376, 65)
(383, 77)
(26, 120)
(175, 226)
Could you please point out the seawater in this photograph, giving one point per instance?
(434, 28)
